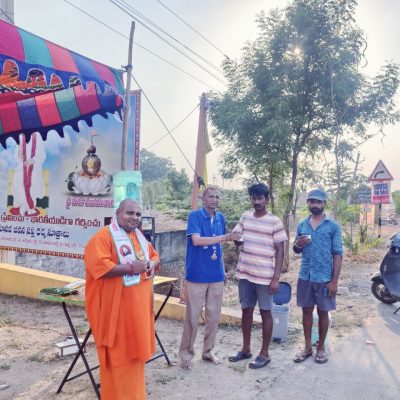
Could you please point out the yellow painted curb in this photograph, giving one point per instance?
(27, 282)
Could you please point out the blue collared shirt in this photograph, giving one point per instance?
(200, 267)
(317, 257)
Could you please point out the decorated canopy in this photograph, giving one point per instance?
(44, 86)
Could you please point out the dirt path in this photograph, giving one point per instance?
(29, 329)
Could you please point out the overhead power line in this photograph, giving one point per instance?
(165, 126)
(175, 127)
(192, 28)
(138, 44)
(140, 15)
(166, 41)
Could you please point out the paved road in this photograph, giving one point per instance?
(357, 369)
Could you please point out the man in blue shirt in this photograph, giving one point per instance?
(205, 276)
(319, 240)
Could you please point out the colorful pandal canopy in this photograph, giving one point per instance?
(44, 86)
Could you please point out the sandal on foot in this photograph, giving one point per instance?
(321, 357)
(302, 355)
(240, 356)
(259, 362)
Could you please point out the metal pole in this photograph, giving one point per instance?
(7, 10)
(127, 100)
(7, 14)
(379, 219)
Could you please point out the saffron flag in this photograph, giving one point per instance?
(206, 149)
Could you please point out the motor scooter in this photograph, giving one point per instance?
(386, 283)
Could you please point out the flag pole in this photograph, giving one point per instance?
(199, 150)
(127, 100)
(198, 170)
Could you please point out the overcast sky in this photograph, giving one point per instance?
(226, 23)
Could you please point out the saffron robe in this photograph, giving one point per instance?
(121, 318)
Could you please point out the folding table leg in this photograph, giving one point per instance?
(164, 302)
(163, 352)
(80, 353)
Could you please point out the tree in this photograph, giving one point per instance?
(177, 185)
(154, 167)
(298, 90)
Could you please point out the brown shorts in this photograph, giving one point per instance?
(311, 293)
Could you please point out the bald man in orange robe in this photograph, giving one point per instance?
(121, 317)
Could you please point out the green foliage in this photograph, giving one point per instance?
(177, 209)
(348, 213)
(297, 91)
(233, 204)
(396, 199)
(162, 183)
(362, 242)
(153, 193)
(177, 185)
(153, 167)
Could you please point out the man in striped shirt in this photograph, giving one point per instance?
(259, 269)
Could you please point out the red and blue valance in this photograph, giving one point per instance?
(45, 87)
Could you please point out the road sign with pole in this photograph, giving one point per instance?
(380, 179)
(380, 173)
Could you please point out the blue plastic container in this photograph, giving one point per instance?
(280, 312)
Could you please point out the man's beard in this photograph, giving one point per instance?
(316, 211)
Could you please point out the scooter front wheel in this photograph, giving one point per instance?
(379, 291)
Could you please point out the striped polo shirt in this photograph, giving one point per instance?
(256, 260)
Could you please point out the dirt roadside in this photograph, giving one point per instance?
(29, 330)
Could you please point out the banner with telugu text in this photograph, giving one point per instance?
(55, 194)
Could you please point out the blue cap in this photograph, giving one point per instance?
(317, 194)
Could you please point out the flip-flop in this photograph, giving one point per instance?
(321, 357)
(259, 362)
(302, 355)
(240, 356)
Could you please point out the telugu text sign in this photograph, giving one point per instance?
(55, 194)
(361, 195)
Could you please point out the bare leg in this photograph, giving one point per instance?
(247, 322)
(323, 325)
(267, 325)
(307, 326)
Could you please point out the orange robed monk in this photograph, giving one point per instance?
(119, 302)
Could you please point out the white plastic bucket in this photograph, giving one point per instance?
(314, 330)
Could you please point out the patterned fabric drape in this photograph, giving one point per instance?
(44, 86)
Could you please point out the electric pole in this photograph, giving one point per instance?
(7, 14)
(7, 10)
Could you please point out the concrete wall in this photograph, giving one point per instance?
(170, 245)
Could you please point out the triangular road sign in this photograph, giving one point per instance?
(380, 173)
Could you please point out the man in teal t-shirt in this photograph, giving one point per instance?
(319, 240)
